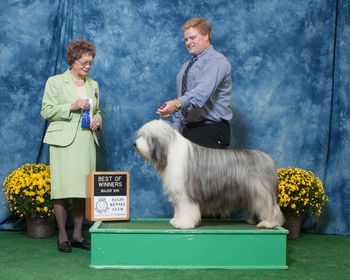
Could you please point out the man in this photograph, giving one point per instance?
(204, 84)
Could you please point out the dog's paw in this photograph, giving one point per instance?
(266, 224)
(172, 222)
(182, 224)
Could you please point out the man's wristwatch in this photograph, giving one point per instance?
(177, 104)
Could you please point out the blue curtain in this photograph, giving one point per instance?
(290, 72)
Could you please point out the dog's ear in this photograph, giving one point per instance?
(159, 153)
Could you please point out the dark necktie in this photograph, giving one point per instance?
(184, 77)
(184, 82)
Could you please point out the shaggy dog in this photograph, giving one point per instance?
(202, 181)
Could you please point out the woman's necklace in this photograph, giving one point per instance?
(78, 81)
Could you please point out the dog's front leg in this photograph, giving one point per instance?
(186, 213)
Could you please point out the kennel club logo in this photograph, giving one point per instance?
(110, 196)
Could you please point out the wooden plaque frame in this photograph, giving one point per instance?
(107, 196)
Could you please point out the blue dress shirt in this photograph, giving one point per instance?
(209, 89)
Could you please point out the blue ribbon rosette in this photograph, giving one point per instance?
(86, 116)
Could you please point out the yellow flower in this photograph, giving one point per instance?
(28, 190)
(300, 191)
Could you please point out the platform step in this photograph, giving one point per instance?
(216, 244)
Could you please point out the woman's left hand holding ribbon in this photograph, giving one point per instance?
(95, 123)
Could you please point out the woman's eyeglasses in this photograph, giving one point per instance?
(86, 63)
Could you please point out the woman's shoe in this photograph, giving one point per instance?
(64, 247)
(82, 245)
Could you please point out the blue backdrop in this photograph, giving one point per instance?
(290, 70)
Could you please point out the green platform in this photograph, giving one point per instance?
(216, 244)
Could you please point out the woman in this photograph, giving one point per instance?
(72, 148)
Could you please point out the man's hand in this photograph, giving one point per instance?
(168, 108)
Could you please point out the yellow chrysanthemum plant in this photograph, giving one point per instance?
(28, 191)
(300, 192)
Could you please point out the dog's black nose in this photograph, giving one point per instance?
(134, 144)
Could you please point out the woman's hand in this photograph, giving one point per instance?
(95, 123)
(80, 104)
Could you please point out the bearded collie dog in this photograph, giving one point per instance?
(202, 181)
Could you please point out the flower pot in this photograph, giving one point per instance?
(40, 227)
(293, 225)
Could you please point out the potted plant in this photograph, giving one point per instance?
(300, 193)
(28, 191)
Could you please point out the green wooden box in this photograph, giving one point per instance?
(216, 244)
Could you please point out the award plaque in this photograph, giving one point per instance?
(107, 196)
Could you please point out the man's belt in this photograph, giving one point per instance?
(205, 123)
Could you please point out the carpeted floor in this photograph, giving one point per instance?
(312, 256)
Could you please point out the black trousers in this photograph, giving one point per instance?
(209, 134)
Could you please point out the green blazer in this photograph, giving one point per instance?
(59, 94)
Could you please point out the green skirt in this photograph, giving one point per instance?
(69, 166)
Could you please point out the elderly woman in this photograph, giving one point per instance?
(71, 104)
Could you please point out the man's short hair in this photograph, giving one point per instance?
(201, 24)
